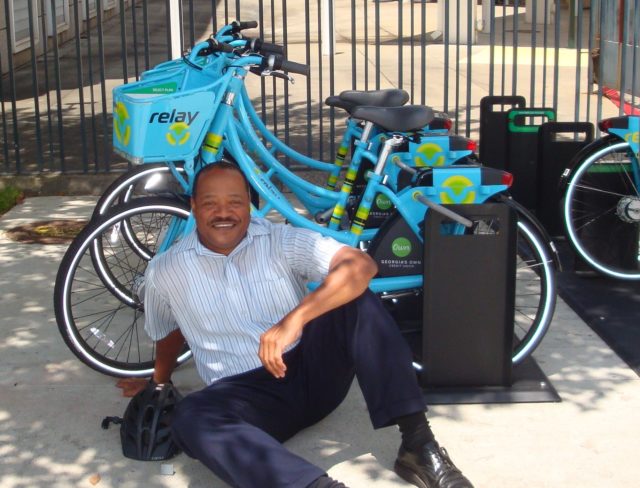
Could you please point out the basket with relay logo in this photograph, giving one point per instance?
(165, 115)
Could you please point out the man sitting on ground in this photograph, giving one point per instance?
(275, 358)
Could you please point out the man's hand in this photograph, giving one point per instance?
(132, 386)
(274, 341)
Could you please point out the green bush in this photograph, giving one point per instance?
(9, 196)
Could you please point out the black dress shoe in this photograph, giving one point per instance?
(429, 467)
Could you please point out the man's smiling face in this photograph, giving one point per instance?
(221, 207)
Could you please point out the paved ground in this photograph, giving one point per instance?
(51, 405)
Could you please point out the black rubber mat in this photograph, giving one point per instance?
(529, 385)
(610, 307)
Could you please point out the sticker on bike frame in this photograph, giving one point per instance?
(429, 154)
(458, 189)
(383, 202)
(401, 247)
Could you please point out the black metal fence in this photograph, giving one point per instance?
(577, 57)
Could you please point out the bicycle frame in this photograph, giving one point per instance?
(224, 135)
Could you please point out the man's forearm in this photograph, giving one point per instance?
(348, 279)
(167, 351)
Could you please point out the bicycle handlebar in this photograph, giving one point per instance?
(275, 62)
(271, 54)
(216, 46)
(206, 48)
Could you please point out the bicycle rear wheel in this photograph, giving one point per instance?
(601, 209)
(96, 303)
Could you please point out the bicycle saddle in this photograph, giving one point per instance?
(396, 119)
(350, 99)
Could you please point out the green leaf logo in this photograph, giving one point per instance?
(383, 202)
(401, 247)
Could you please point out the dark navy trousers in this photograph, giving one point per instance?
(236, 426)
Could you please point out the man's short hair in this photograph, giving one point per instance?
(226, 165)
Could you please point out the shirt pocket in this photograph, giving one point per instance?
(270, 300)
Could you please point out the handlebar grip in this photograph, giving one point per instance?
(269, 48)
(216, 46)
(291, 67)
(249, 24)
(264, 48)
(275, 62)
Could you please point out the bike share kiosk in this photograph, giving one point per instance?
(468, 312)
(468, 301)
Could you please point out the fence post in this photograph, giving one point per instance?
(328, 28)
(175, 28)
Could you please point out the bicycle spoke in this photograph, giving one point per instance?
(595, 218)
(599, 190)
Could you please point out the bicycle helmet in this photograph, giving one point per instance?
(145, 431)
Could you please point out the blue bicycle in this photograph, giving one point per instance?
(97, 290)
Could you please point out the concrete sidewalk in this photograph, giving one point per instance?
(51, 405)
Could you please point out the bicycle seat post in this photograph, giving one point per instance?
(366, 132)
(395, 141)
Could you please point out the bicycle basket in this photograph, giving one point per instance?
(165, 116)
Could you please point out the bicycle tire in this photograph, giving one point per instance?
(600, 191)
(135, 183)
(536, 285)
(143, 244)
(101, 329)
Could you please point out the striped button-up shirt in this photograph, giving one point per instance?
(222, 304)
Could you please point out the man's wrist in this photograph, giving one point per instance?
(160, 380)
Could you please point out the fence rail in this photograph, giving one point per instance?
(574, 56)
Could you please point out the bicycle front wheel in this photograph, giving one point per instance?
(601, 209)
(143, 181)
(536, 292)
(99, 313)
